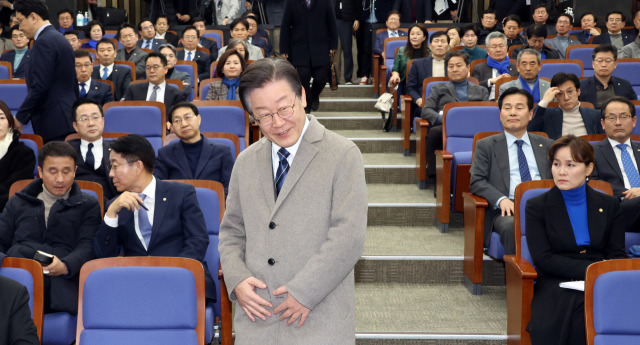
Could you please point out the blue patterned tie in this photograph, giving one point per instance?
(143, 223)
(629, 168)
(188, 56)
(283, 169)
(105, 75)
(522, 163)
(83, 92)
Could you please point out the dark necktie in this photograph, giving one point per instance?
(522, 163)
(629, 168)
(147, 44)
(83, 92)
(283, 169)
(90, 160)
(143, 223)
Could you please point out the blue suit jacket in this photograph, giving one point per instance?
(420, 69)
(52, 86)
(201, 59)
(178, 230)
(99, 92)
(215, 163)
(621, 87)
(18, 71)
(549, 120)
(378, 45)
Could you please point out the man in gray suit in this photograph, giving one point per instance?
(562, 39)
(529, 64)
(128, 37)
(457, 90)
(495, 171)
(295, 219)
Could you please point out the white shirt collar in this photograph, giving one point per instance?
(86, 84)
(615, 144)
(293, 149)
(85, 144)
(150, 192)
(512, 138)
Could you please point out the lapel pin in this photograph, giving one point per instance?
(96, 87)
(618, 84)
(165, 199)
(600, 210)
(540, 145)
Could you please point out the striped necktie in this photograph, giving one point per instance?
(283, 169)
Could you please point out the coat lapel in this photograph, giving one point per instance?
(263, 160)
(501, 153)
(596, 218)
(539, 151)
(452, 91)
(611, 159)
(562, 224)
(181, 156)
(161, 208)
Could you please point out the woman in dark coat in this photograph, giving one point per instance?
(568, 228)
(17, 161)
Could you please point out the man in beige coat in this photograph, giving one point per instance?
(295, 220)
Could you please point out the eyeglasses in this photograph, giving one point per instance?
(615, 20)
(85, 65)
(115, 166)
(499, 46)
(540, 12)
(284, 113)
(154, 67)
(190, 37)
(93, 118)
(607, 61)
(613, 118)
(187, 118)
(18, 36)
(149, 27)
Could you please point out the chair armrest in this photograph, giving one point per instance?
(226, 318)
(443, 186)
(520, 281)
(520, 266)
(376, 77)
(422, 128)
(406, 124)
(382, 75)
(473, 236)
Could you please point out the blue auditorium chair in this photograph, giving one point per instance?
(629, 69)
(28, 273)
(582, 52)
(191, 68)
(229, 139)
(391, 46)
(224, 117)
(215, 35)
(129, 65)
(34, 142)
(6, 70)
(146, 118)
(13, 93)
(550, 67)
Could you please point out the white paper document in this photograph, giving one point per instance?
(575, 285)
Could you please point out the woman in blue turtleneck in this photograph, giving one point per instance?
(568, 228)
(95, 33)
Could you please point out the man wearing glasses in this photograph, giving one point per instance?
(156, 89)
(90, 88)
(614, 35)
(16, 56)
(602, 86)
(295, 219)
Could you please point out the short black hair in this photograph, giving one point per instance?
(438, 34)
(26, 7)
(516, 91)
(199, 19)
(488, 11)
(394, 12)
(190, 27)
(135, 147)
(162, 58)
(567, 15)
(471, 27)
(125, 26)
(145, 20)
(92, 24)
(513, 18)
(561, 78)
(615, 12)
(105, 40)
(162, 16)
(457, 53)
(56, 149)
(80, 53)
(264, 71)
(619, 99)
(182, 105)
(604, 48)
(589, 13)
(541, 5)
(81, 102)
(239, 20)
(538, 30)
(64, 10)
(72, 32)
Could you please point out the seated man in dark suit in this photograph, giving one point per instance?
(498, 64)
(540, 15)
(17, 56)
(617, 158)
(107, 70)
(393, 23)
(588, 23)
(72, 37)
(562, 39)
(162, 25)
(190, 37)
(495, 171)
(169, 51)
(603, 86)
(93, 152)
(257, 34)
(614, 35)
(66, 20)
(151, 217)
(89, 88)
(569, 117)
(16, 327)
(54, 216)
(512, 25)
(489, 24)
(457, 90)
(194, 157)
(128, 37)
(536, 34)
(203, 42)
(148, 38)
(156, 89)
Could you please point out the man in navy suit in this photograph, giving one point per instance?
(194, 157)
(18, 57)
(89, 88)
(393, 23)
(603, 85)
(148, 38)
(203, 42)
(107, 70)
(190, 37)
(258, 37)
(151, 217)
(51, 91)
(614, 35)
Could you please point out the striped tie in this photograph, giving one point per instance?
(283, 169)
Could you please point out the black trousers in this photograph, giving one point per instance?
(345, 32)
(364, 42)
(320, 75)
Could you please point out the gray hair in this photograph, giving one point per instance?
(264, 71)
(495, 34)
(235, 41)
(532, 52)
(170, 46)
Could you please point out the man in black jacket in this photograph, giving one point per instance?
(347, 14)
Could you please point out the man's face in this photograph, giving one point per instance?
(469, 39)
(84, 67)
(14, 21)
(457, 69)
(155, 70)
(528, 67)
(278, 96)
(73, 41)
(65, 20)
(515, 114)
(540, 15)
(171, 57)
(239, 31)
(563, 26)
(128, 38)
(57, 174)
(439, 47)
(568, 96)
(636, 20)
(489, 20)
(200, 27)
(190, 40)
(511, 29)
(186, 124)
(587, 22)
(89, 122)
(148, 31)
(604, 64)
(19, 39)
(124, 174)
(615, 23)
(393, 22)
(616, 128)
(27, 24)
(497, 49)
(106, 54)
(162, 25)
(253, 26)
(536, 42)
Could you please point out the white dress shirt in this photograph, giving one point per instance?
(159, 93)
(275, 159)
(514, 170)
(109, 70)
(193, 54)
(618, 154)
(97, 151)
(86, 86)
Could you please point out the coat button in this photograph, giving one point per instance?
(272, 225)
(271, 261)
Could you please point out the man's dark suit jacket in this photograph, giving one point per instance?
(483, 73)
(171, 38)
(583, 36)
(604, 38)
(18, 72)
(202, 60)
(607, 167)
(621, 87)
(261, 33)
(506, 8)
(549, 52)
(549, 120)
(138, 92)
(378, 45)
(16, 325)
(138, 57)
(99, 92)
(52, 86)
(86, 174)
(155, 44)
(424, 10)
(307, 34)
(120, 77)
(215, 163)
(211, 45)
(420, 70)
(261, 43)
(178, 230)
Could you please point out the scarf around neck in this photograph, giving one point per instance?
(536, 88)
(232, 85)
(502, 67)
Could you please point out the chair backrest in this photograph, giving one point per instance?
(127, 64)
(228, 139)
(28, 273)
(462, 120)
(550, 67)
(94, 189)
(175, 83)
(499, 83)
(428, 83)
(191, 68)
(582, 52)
(204, 87)
(6, 70)
(34, 142)
(106, 135)
(18, 186)
(611, 300)
(390, 46)
(474, 63)
(146, 118)
(225, 117)
(118, 296)
(217, 35)
(629, 69)
(512, 48)
(13, 93)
